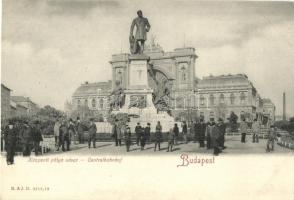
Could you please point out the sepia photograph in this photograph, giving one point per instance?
(124, 90)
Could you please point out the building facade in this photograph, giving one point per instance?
(218, 96)
(5, 102)
(211, 96)
(25, 103)
(92, 96)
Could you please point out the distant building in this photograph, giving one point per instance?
(92, 96)
(5, 102)
(218, 96)
(25, 102)
(269, 109)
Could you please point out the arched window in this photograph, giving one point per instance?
(242, 97)
(86, 102)
(93, 103)
(232, 98)
(184, 75)
(101, 103)
(79, 102)
(202, 100)
(211, 99)
(222, 98)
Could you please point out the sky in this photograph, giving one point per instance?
(50, 47)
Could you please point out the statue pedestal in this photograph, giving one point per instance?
(138, 97)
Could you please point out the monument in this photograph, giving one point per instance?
(137, 97)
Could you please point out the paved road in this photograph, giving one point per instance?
(234, 146)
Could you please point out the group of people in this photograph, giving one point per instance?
(28, 135)
(66, 131)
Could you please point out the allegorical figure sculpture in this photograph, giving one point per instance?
(142, 27)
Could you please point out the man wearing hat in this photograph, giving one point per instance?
(10, 142)
(272, 135)
(92, 134)
(37, 137)
(222, 130)
(26, 133)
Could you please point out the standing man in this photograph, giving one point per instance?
(222, 131)
(143, 138)
(26, 133)
(176, 133)
(128, 138)
(215, 138)
(158, 135)
(255, 131)
(185, 131)
(72, 131)
(272, 135)
(142, 27)
(138, 133)
(170, 140)
(192, 131)
(243, 130)
(80, 130)
(10, 142)
(92, 133)
(202, 130)
(209, 129)
(120, 129)
(114, 132)
(37, 137)
(64, 135)
(148, 132)
(56, 133)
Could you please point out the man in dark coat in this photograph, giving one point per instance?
(143, 138)
(114, 132)
(37, 137)
(222, 130)
(158, 135)
(26, 133)
(176, 133)
(80, 131)
(201, 132)
(147, 132)
(92, 134)
(128, 138)
(185, 131)
(138, 133)
(64, 136)
(10, 142)
(209, 127)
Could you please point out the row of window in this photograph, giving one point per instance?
(222, 99)
(93, 103)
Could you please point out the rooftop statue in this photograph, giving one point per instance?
(142, 27)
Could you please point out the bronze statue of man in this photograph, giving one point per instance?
(142, 27)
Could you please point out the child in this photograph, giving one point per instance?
(271, 139)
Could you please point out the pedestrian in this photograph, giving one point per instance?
(26, 133)
(56, 133)
(176, 132)
(128, 138)
(158, 135)
(215, 138)
(170, 140)
(92, 134)
(64, 136)
(222, 130)
(143, 138)
(10, 142)
(208, 133)
(72, 131)
(272, 135)
(255, 131)
(185, 131)
(138, 132)
(80, 131)
(148, 132)
(37, 137)
(192, 131)
(120, 130)
(243, 130)
(202, 130)
(114, 132)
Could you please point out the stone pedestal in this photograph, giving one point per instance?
(138, 97)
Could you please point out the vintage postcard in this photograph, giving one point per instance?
(166, 99)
